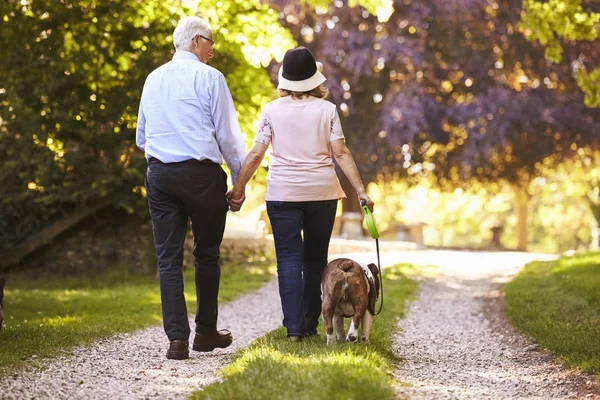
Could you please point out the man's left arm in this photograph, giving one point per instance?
(228, 132)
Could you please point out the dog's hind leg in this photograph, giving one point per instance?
(354, 330)
(351, 332)
(367, 323)
(338, 326)
(327, 313)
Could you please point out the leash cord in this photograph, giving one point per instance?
(380, 278)
(375, 235)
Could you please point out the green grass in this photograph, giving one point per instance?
(45, 318)
(274, 368)
(558, 304)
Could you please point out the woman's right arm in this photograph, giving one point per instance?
(237, 195)
(344, 158)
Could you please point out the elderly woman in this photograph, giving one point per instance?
(302, 186)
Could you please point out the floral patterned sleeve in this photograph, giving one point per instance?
(265, 129)
(336, 132)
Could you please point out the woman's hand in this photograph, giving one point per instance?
(236, 198)
(367, 199)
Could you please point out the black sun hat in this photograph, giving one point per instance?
(299, 71)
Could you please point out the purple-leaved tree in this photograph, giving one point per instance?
(448, 89)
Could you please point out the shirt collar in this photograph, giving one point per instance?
(290, 99)
(185, 55)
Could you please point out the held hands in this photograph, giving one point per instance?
(236, 198)
(367, 199)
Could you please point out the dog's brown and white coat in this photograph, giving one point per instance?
(349, 293)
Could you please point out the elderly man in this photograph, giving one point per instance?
(186, 125)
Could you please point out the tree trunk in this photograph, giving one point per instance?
(595, 244)
(45, 235)
(521, 198)
(594, 202)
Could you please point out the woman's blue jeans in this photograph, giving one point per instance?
(301, 259)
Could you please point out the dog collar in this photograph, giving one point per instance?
(368, 274)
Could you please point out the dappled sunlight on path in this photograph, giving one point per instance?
(463, 264)
(450, 349)
(133, 366)
(448, 346)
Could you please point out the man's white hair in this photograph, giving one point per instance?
(187, 28)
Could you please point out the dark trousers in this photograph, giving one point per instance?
(177, 192)
(301, 260)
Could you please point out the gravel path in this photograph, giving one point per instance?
(456, 343)
(135, 367)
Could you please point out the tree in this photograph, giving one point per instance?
(448, 89)
(70, 79)
(520, 111)
(554, 22)
(532, 116)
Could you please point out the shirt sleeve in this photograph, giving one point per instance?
(336, 132)
(264, 134)
(140, 132)
(228, 133)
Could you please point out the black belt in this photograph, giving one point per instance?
(153, 160)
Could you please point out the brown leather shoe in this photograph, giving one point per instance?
(209, 342)
(178, 350)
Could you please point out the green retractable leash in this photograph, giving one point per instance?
(370, 220)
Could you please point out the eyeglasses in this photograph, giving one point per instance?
(212, 42)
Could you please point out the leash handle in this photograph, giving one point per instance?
(370, 220)
(375, 235)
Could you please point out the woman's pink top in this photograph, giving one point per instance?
(301, 132)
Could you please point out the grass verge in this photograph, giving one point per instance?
(47, 317)
(274, 368)
(558, 304)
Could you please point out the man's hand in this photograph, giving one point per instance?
(236, 198)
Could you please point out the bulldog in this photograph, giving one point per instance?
(349, 290)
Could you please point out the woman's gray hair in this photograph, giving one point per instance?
(187, 28)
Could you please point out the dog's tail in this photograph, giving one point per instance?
(345, 266)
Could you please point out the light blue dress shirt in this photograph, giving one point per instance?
(186, 112)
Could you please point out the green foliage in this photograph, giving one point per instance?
(71, 76)
(554, 21)
(383, 9)
(273, 368)
(558, 304)
(559, 216)
(48, 317)
(589, 82)
(248, 37)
